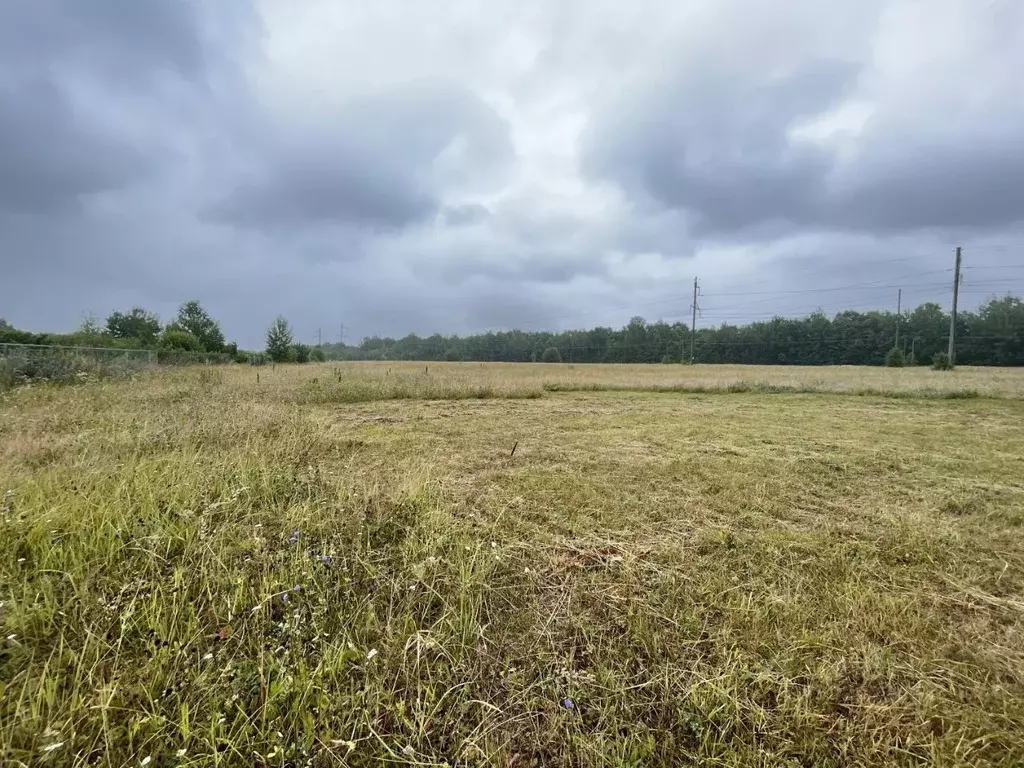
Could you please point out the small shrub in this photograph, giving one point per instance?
(551, 355)
(177, 338)
(317, 355)
(941, 362)
(895, 359)
(300, 353)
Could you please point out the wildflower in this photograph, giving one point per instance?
(51, 747)
(324, 559)
(146, 760)
(494, 545)
(181, 752)
(568, 703)
(11, 636)
(285, 598)
(207, 657)
(294, 537)
(371, 653)
(297, 588)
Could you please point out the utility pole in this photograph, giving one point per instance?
(341, 334)
(952, 318)
(319, 339)
(899, 304)
(693, 320)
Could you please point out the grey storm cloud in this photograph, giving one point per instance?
(376, 162)
(66, 69)
(393, 167)
(48, 158)
(464, 215)
(719, 144)
(716, 146)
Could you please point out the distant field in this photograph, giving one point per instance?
(514, 565)
(372, 381)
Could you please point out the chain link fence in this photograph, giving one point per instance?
(22, 363)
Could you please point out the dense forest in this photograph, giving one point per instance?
(991, 335)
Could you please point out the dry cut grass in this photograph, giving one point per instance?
(203, 570)
(364, 382)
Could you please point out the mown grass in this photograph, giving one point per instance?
(505, 379)
(586, 579)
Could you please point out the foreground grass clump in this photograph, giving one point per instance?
(206, 570)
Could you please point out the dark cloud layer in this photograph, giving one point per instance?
(373, 164)
(719, 145)
(535, 164)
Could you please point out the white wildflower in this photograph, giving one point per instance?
(181, 752)
(371, 653)
(207, 657)
(51, 747)
(146, 760)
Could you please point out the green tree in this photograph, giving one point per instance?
(176, 337)
(136, 324)
(90, 325)
(940, 362)
(279, 340)
(551, 355)
(300, 353)
(317, 355)
(194, 319)
(894, 358)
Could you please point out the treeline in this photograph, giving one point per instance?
(191, 336)
(992, 335)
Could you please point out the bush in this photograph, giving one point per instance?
(318, 356)
(452, 355)
(300, 353)
(670, 359)
(941, 362)
(894, 358)
(63, 366)
(551, 355)
(177, 338)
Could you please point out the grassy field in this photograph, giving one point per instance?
(514, 565)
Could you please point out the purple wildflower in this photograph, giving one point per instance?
(568, 703)
(294, 537)
(324, 559)
(285, 598)
(297, 588)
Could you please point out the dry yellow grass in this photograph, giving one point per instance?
(518, 379)
(648, 579)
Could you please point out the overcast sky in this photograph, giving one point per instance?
(460, 166)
